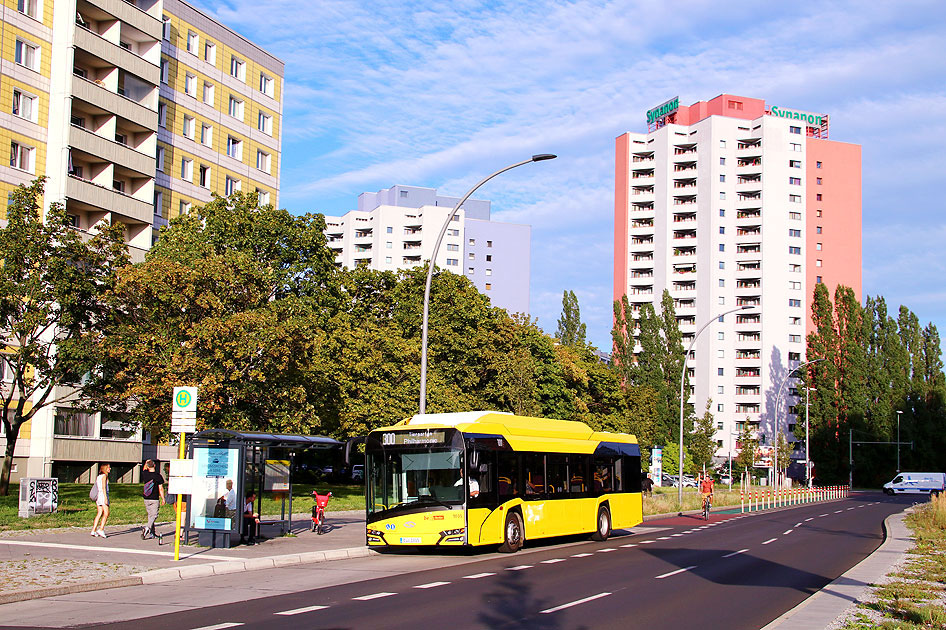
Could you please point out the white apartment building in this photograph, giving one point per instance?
(727, 203)
(397, 227)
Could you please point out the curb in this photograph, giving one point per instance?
(67, 589)
(848, 589)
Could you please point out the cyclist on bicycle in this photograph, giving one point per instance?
(706, 489)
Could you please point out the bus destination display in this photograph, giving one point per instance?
(413, 438)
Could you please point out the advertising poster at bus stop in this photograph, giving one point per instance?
(657, 465)
(214, 499)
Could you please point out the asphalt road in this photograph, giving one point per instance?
(732, 572)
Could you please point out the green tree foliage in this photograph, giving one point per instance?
(571, 332)
(702, 440)
(747, 447)
(52, 284)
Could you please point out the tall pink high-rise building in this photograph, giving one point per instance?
(731, 202)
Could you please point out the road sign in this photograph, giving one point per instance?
(184, 410)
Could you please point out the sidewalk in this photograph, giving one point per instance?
(43, 563)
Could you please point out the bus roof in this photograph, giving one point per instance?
(522, 432)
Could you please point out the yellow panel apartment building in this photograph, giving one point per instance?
(135, 110)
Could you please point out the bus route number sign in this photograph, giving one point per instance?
(413, 438)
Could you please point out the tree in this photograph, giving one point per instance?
(748, 447)
(52, 284)
(571, 332)
(702, 440)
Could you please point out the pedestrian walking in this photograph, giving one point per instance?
(153, 493)
(101, 501)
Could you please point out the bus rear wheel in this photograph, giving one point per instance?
(513, 533)
(604, 524)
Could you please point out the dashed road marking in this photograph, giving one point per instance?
(675, 535)
(607, 550)
(683, 570)
(647, 542)
(477, 576)
(770, 540)
(522, 567)
(663, 538)
(787, 532)
(220, 626)
(581, 555)
(432, 585)
(365, 598)
(627, 546)
(822, 515)
(838, 511)
(574, 603)
(797, 524)
(299, 611)
(735, 553)
(810, 519)
(552, 561)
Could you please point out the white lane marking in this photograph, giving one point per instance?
(797, 524)
(365, 598)
(647, 542)
(787, 532)
(581, 555)
(299, 611)
(552, 561)
(703, 527)
(432, 585)
(770, 540)
(675, 535)
(627, 546)
(663, 538)
(810, 519)
(521, 567)
(820, 515)
(574, 603)
(838, 511)
(665, 575)
(477, 576)
(850, 508)
(735, 553)
(607, 550)
(220, 626)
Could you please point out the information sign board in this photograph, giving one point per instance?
(277, 475)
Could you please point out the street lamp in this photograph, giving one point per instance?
(899, 413)
(433, 258)
(775, 433)
(808, 390)
(683, 374)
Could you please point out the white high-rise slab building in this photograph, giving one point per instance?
(730, 203)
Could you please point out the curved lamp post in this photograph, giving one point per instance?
(433, 258)
(683, 374)
(775, 433)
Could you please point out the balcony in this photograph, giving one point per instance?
(683, 167)
(115, 55)
(642, 206)
(684, 149)
(109, 200)
(684, 200)
(146, 20)
(751, 300)
(749, 213)
(111, 151)
(684, 251)
(95, 93)
(684, 217)
(638, 158)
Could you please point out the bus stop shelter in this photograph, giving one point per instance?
(228, 465)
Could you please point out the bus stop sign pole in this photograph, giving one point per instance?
(183, 421)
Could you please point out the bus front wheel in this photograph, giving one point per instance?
(604, 524)
(513, 533)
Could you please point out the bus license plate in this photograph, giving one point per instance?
(410, 540)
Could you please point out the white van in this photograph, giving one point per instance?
(916, 483)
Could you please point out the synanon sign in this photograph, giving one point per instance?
(663, 110)
(811, 119)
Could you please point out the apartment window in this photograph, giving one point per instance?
(263, 196)
(27, 54)
(794, 356)
(818, 213)
(818, 229)
(818, 246)
(817, 279)
(387, 259)
(818, 180)
(794, 250)
(722, 194)
(28, 7)
(489, 286)
(204, 176)
(720, 389)
(210, 52)
(818, 197)
(24, 105)
(265, 124)
(206, 134)
(389, 230)
(722, 229)
(794, 198)
(469, 270)
(720, 371)
(453, 262)
(722, 212)
(159, 159)
(794, 163)
(795, 321)
(166, 30)
(164, 71)
(794, 130)
(722, 247)
(453, 247)
(722, 265)
(818, 262)
(208, 95)
(22, 157)
(453, 232)
(471, 256)
(722, 178)
(234, 148)
(792, 302)
(489, 258)
(390, 245)
(794, 146)
(795, 215)
(794, 284)
(193, 42)
(456, 217)
(188, 128)
(722, 300)
(235, 108)
(489, 243)
(794, 181)
(737, 105)
(722, 144)
(722, 161)
(237, 68)
(489, 272)
(184, 207)
(266, 84)
(795, 233)
(818, 164)
(187, 169)
(721, 336)
(720, 354)
(157, 202)
(262, 161)
(231, 185)
(794, 338)
(722, 283)
(162, 114)
(190, 85)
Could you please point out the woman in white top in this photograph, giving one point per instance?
(101, 501)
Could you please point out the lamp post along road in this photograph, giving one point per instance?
(683, 374)
(808, 390)
(433, 259)
(776, 432)
(899, 413)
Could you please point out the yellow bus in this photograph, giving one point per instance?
(492, 478)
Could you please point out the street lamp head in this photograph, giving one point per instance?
(899, 412)
(746, 307)
(543, 156)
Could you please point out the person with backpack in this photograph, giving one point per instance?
(153, 493)
(99, 494)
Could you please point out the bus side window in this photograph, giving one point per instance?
(603, 481)
(482, 471)
(632, 478)
(533, 467)
(618, 485)
(508, 482)
(557, 468)
(578, 476)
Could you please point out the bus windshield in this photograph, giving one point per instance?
(414, 477)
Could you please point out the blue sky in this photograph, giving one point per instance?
(440, 94)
